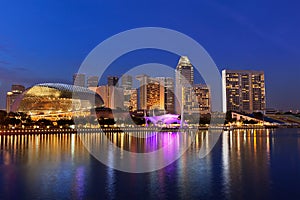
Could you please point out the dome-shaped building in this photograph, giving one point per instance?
(55, 100)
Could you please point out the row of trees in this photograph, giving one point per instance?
(14, 119)
(19, 119)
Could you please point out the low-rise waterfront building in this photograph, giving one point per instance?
(57, 101)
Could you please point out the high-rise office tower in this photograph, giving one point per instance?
(184, 74)
(196, 99)
(79, 80)
(142, 91)
(92, 81)
(130, 94)
(127, 81)
(130, 99)
(243, 90)
(112, 80)
(11, 96)
(168, 84)
(151, 93)
(203, 98)
(113, 97)
(185, 71)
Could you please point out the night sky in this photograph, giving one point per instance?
(46, 41)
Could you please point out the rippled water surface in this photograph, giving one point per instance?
(244, 164)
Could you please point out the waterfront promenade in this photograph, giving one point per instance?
(119, 130)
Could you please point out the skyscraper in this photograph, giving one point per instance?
(130, 94)
(168, 84)
(113, 97)
(151, 93)
(184, 74)
(112, 80)
(11, 96)
(79, 80)
(130, 99)
(243, 90)
(185, 71)
(127, 82)
(92, 81)
(196, 99)
(203, 98)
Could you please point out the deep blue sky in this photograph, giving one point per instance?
(47, 40)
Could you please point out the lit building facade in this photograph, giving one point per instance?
(113, 97)
(11, 96)
(130, 94)
(244, 91)
(55, 101)
(196, 99)
(169, 99)
(151, 93)
(79, 80)
(130, 99)
(203, 98)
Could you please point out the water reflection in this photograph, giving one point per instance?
(41, 162)
(244, 164)
(246, 153)
(144, 154)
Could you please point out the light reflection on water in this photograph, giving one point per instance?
(245, 164)
(144, 154)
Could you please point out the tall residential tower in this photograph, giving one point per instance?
(244, 91)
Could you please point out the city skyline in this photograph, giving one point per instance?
(243, 91)
(116, 85)
(84, 80)
(244, 97)
(149, 99)
(237, 35)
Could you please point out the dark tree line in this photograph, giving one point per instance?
(19, 119)
(14, 119)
